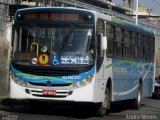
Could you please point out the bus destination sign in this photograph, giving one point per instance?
(50, 17)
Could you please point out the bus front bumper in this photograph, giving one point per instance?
(83, 94)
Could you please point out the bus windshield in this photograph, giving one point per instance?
(57, 46)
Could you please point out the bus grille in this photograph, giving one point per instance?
(53, 85)
(59, 93)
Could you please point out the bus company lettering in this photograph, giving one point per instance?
(119, 69)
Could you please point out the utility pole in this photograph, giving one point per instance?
(137, 12)
(149, 11)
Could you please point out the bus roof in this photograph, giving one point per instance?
(53, 8)
(123, 22)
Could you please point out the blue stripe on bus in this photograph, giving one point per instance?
(53, 79)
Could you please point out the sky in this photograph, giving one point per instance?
(149, 4)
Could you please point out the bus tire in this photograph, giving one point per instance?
(154, 96)
(104, 107)
(137, 101)
(35, 105)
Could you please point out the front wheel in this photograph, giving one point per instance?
(104, 107)
(154, 96)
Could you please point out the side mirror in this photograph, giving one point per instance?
(103, 41)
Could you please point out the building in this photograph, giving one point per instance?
(5, 45)
(106, 4)
(148, 15)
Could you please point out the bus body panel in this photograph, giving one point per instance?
(102, 77)
(127, 74)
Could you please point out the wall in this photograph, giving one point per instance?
(5, 47)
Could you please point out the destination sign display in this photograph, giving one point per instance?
(47, 16)
(37, 16)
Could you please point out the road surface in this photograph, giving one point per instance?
(150, 110)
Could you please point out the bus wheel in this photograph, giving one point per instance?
(154, 96)
(105, 105)
(137, 101)
(35, 105)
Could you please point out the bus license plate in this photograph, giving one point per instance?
(49, 92)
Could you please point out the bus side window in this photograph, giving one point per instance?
(100, 30)
(131, 43)
(147, 48)
(100, 26)
(136, 46)
(119, 39)
(110, 39)
(127, 44)
(143, 38)
(152, 38)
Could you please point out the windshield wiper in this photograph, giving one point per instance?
(66, 39)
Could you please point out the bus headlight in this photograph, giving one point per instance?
(18, 81)
(83, 82)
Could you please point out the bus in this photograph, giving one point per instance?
(78, 55)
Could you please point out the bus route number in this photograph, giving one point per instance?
(71, 77)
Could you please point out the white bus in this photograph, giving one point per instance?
(71, 54)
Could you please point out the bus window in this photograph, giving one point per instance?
(127, 50)
(119, 34)
(119, 41)
(100, 30)
(119, 49)
(152, 38)
(131, 43)
(100, 27)
(110, 33)
(145, 42)
(135, 45)
(141, 46)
